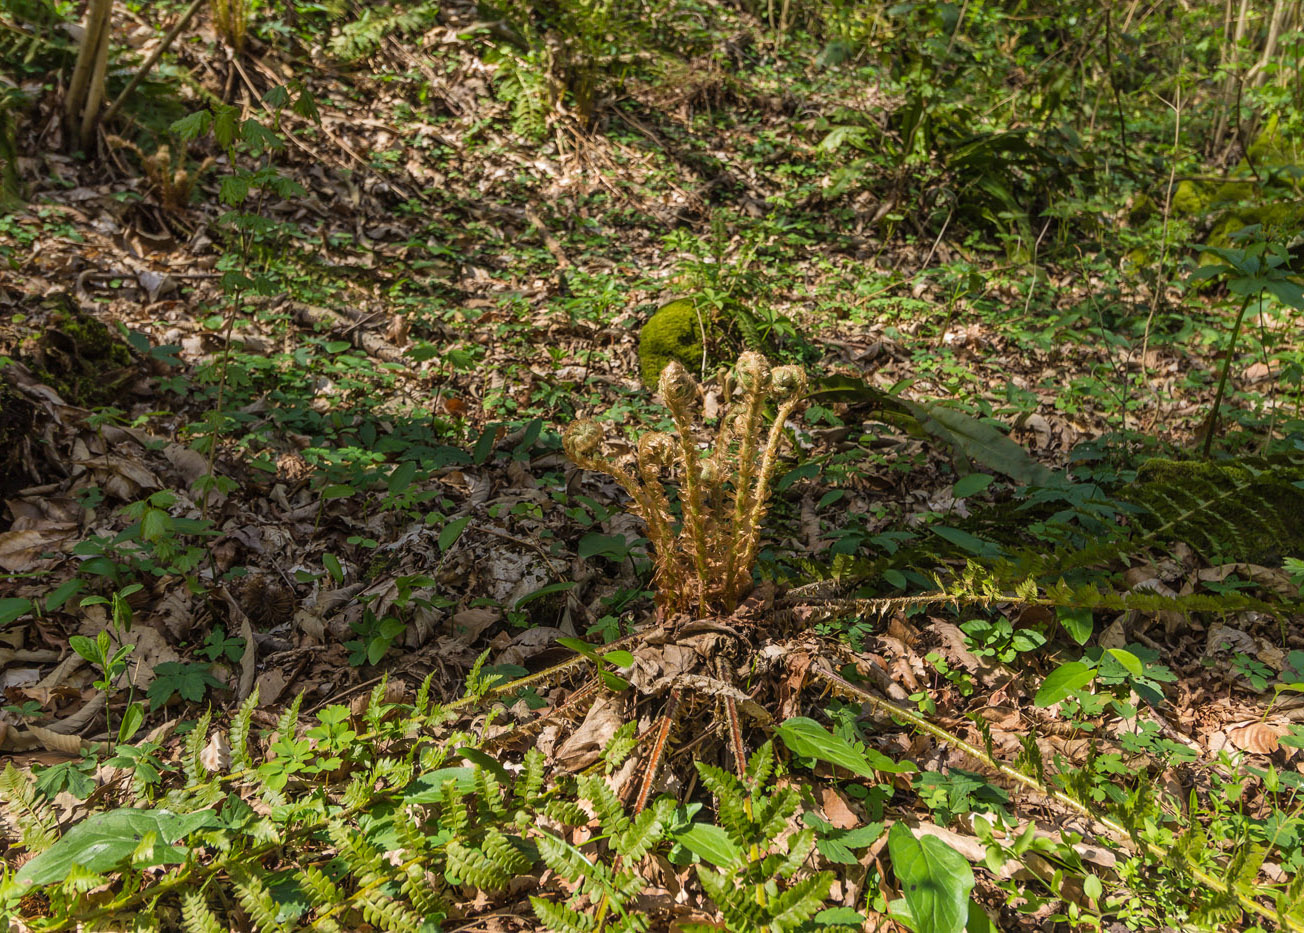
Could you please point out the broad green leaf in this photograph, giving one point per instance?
(612, 547)
(1078, 623)
(711, 844)
(971, 485)
(402, 477)
(1131, 663)
(332, 565)
(543, 591)
(12, 607)
(809, 739)
(104, 841)
(935, 880)
(982, 443)
(449, 534)
(425, 787)
(1063, 681)
(618, 658)
(962, 539)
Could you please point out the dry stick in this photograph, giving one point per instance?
(1115, 828)
(1163, 249)
(150, 62)
(1227, 365)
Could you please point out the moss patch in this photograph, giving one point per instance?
(79, 357)
(673, 333)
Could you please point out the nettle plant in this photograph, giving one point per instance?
(703, 561)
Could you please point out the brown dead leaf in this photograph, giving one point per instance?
(20, 551)
(585, 745)
(837, 810)
(1255, 737)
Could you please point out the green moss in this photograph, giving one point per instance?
(79, 357)
(1190, 199)
(1241, 510)
(1137, 259)
(673, 333)
(1281, 219)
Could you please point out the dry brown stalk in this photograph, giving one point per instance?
(707, 566)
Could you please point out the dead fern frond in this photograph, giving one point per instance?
(703, 562)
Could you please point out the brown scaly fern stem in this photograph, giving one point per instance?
(704, 566)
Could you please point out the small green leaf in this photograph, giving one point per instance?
(808, 738)
(710, 843)
(338, 491)
(332, 565)
(1078, 623)
(12, 607)
(618, 658)
(612, 547)
(1131, 663)
(402, 477)
(962, 539)
(971, 485)
(583, 647)
(1063, 681)
(544, 591)
(449, 534)
(935, 880)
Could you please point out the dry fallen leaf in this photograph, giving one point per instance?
(1255, 737)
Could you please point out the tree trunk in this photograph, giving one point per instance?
(86, 89)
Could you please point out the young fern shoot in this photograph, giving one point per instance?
(705, 563)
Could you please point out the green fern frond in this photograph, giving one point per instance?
(418, 888)
(257, 901)
(504, 853)
(452, 809)
(799, 846)
(489, 795)
(791, 909)
(421, 704)
(195, 742)
(566, 812)
(610, 811)
(472, 866)
(195, 915)
(736, 902)
(238, 737)
(380, 911)
(365, 863)
(560, 918)
(647, 830)
(321, 890)
(761, 764)
(619, 747)
(363, 37)
(529, 782)
(288, 723)
(32, 815)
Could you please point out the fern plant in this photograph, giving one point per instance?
(362, 37)
(705, 561)
(764, 889)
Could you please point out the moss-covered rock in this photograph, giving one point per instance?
(1190, 199)
(79, 357)
(673, 333)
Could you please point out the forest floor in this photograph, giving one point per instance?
(447, 293)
